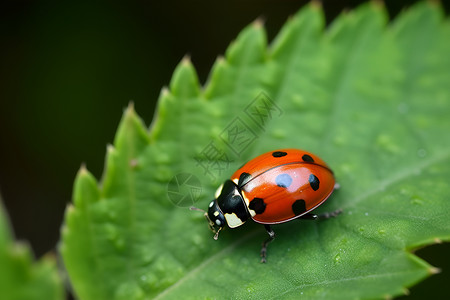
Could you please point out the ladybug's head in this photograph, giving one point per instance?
(215, 218)
(228, 208)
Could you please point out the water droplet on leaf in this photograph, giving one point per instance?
(416, 200)
(421, 153)
(337, 258)
(403, 108)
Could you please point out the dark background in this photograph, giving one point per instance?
(67, 71)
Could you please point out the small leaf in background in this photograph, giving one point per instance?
(371, 98)
(20, 277)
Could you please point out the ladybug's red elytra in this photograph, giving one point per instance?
(275, 187)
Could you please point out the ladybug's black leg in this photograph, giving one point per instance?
(331, 214)
(309, 217)
(322, 216)
(266, 242)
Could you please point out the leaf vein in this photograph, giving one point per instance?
(206, 262)
(399, 176)
(330, 282)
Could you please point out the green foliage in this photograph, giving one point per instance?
(20, 278)
(371, 99)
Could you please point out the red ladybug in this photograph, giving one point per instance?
(273, 188)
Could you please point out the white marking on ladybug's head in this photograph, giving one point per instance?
(235, 180)
(233, 220)
(218, 191)
(211, 203)
(218, 222)
(216, 213)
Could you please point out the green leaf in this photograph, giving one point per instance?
(20, 277)
(371, 99)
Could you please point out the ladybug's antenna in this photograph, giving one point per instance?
(216, 236)
(211, 223)
(197, 209)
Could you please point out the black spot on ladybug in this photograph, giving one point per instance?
(244, 178)
(314, 182)
(279, 154)
(299, 207)
(283, 180)
(307, 158)
(258, 205)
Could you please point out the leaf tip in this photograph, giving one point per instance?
(316, 4)
(434, 270)
(377, 3)
(186, 61)
(184, 82)
(165, 92)
(435, 2)
(49, 257)
(130, 112)
(110, 149)
(437, 241)
(220, 59)
(252, 39)
(70, 209)
(259, 22)
(130, 107)
(83, 170)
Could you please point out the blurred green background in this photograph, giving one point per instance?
(68, 69)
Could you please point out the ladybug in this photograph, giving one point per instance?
(273, 188)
